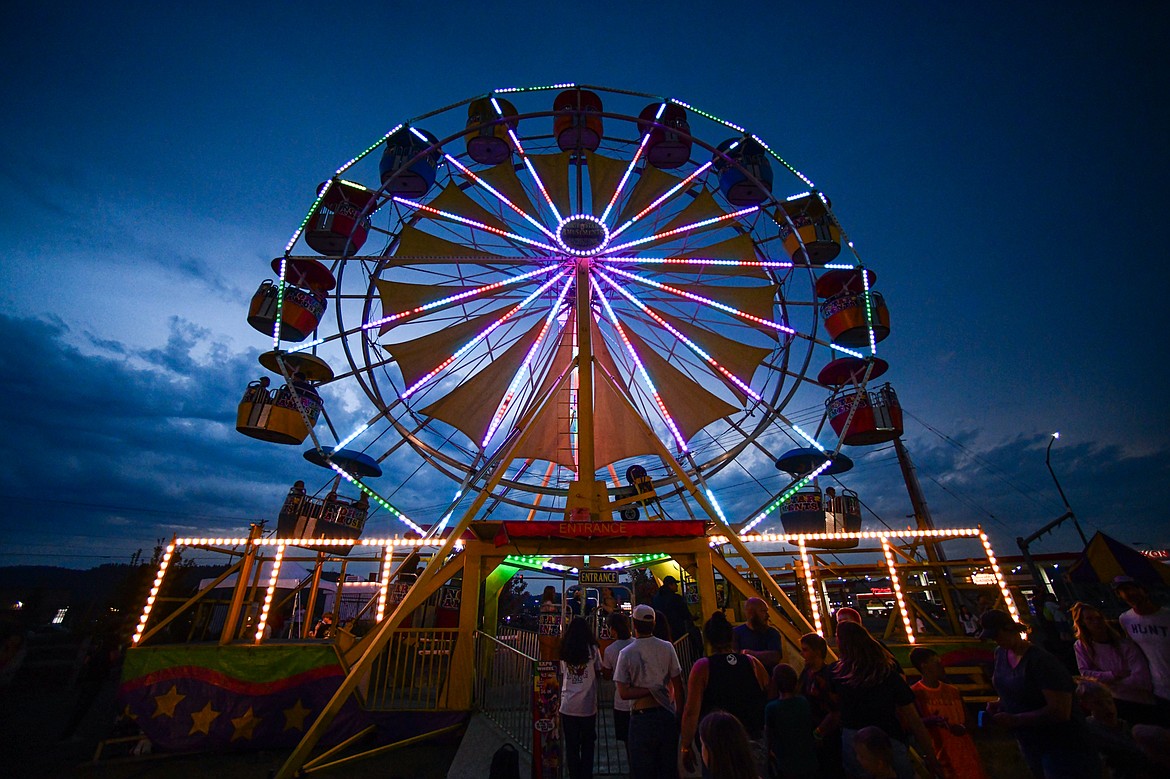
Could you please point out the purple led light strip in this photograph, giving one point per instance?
(506, 402)
(682, 444)
(694, 347)
(482, 335)
(467, 172)
(661, 198)
(459, 297)
(700, 299)
(677, 230)
(629, 169)
(473, 223)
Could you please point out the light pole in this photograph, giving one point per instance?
(1068, 508)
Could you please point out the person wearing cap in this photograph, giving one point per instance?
(1148, 624)
(1036, 703)
(756, 637)
(674, 606)
(648, 675)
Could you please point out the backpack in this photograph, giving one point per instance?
(505, 763)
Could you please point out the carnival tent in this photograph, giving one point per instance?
(1106, 557)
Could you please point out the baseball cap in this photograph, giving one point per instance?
(644, 613)
(994, 621)
(1121, 581)
(669, 580)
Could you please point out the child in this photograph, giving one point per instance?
(1110, 734)
(874, 752)
(941, 707)
(788, 728)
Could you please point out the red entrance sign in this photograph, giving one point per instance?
(665, 529)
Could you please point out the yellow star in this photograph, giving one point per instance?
(202, 720)
(165, 704)
(244, 725)
(294, 718)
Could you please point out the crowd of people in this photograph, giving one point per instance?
(742, 713)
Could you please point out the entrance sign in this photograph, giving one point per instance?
(598, 576)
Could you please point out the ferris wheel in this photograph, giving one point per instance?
(571, 301)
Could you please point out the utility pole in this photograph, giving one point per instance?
(925, 522)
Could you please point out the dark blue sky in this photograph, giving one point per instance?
(1002, 168)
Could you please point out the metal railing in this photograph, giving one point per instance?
(413, 670)
(505, 668)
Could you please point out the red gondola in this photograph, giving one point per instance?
(669, 144)
(849, 310)
(304, 299)
(341, 222)
(878, 417)
(577, 124)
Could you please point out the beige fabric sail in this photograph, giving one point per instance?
(651, 184)
(690, 405)
(604, 175)
(398, 297)
(504, 179)
(419, 356)
(553, 170)
(416, 244)
(471, 406)
(454, 200)
(737, 357)
(620, 431)
(548, 436)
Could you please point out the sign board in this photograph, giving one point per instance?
(983, 578)
(598, 576)
(546, 703)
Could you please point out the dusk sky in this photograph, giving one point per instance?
(1001, 167)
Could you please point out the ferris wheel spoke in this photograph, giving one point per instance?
(681, 293)
(473, 223)
(694, 347)
(430, 375)
(630, 168)
(513, 387)
(683, 230)
(665, 196)
(456, 299)
(698, 264)
(528, 164)
(502, 198)
(646, 380)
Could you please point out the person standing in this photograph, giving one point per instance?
(648, 675)
(968, 621)
(728, 681)
(873, 692)
(674, 606)
(756, 637)
(1036, 703)
(619, 625)
(816, 685)
(788, 729)
(580, 668)
(725, 748)
(1148, 624)
(941, 707)
(1111, 659)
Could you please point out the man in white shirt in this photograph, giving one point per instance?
(1148, 624)
(648, 675)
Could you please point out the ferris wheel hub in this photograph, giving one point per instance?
(582, 235)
